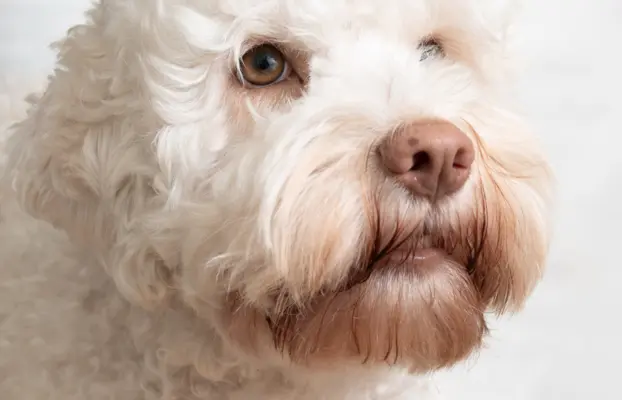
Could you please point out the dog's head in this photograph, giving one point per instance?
(324, 181)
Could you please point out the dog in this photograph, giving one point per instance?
(238, 199)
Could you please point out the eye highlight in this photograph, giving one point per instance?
(431, 47)
(262, 66)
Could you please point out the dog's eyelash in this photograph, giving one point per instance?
(431, 47)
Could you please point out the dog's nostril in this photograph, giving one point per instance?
(461, 160)
(420, 161)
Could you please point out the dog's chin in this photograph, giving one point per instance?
(415, 309)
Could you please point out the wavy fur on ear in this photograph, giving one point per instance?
(80, 159)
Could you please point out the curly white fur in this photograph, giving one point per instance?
(176, 211)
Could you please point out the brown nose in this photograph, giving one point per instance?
(430, 158)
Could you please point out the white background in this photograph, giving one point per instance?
(567, 344)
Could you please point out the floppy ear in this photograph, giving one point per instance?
(81, 161)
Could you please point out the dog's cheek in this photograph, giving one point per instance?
(318, 232)
(518, 230)
(514, 198)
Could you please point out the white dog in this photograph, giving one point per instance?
(276, 199)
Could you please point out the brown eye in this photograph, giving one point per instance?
(431, 47)
(263, 65)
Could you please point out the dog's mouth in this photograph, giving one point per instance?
(411, 299)
(424, 246)
(420, 258)
(422, 253)
(414, 305)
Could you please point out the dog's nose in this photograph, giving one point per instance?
(430, 158)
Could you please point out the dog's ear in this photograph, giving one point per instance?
(80, 160)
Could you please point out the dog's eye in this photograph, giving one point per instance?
(262, 66)
(431, 47)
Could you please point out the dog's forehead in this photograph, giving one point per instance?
(333, 11)
(319, 22)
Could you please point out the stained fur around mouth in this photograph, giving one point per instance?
(465, 245)
(462, 251)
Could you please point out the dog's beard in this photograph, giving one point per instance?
(416, 297)
(413, 300)
(424, 316)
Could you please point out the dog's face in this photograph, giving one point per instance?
(326, 181)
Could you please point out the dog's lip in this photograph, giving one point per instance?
(415, 256)
(403, 259)
(421, 257)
